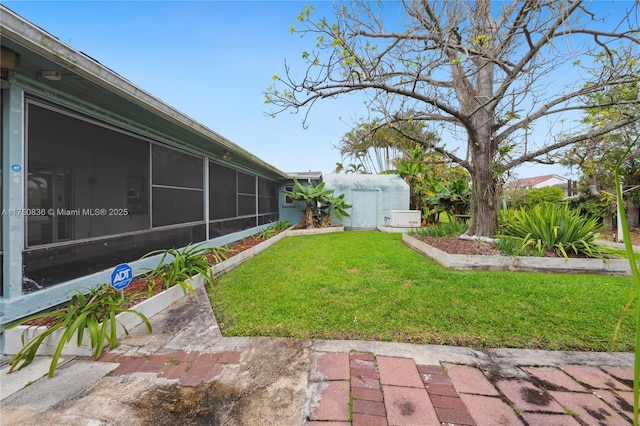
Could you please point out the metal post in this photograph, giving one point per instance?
(13, 172)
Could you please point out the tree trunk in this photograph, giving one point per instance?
(480, 108)
(484, 205)
(307, 219)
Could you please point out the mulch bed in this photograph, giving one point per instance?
(456, 245)
(237, 248)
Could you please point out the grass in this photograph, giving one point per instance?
(370, 286)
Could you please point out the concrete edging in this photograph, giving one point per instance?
(313, 231)
(520, 263)
(391, 230)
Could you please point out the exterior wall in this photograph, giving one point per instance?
(372, 198)
(21, 296)
(293, 212)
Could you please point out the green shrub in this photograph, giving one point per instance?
(548, 227)
(273, 229)
(514, 246)
(266, 233)
(218, 254)
(445, 229)
(281, 225)
(593, 208)
(548, 194)
(190, 261)
(101, 305)
(517, 198)
(523, 198)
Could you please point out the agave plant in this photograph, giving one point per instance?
(95, 312)
(548, 227)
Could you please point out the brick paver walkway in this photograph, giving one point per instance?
(189, 368)
(363, 389)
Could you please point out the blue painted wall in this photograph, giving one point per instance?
(293, 212)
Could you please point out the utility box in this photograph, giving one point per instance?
(405, 219)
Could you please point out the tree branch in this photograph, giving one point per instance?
(569, 141)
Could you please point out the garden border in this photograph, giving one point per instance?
(313, 231)
(520, 263)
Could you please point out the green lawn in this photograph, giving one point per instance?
(370, 286)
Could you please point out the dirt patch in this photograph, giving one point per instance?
(599, 415)
(623, 405)
(406, 408)
(543, 384)
(268, 387)
(205, 405)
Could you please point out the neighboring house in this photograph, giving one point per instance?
(97, 172)
(539, 182)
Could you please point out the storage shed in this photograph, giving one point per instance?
(372, 197)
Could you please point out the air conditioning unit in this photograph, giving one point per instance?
(405, 219)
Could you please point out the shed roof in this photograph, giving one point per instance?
(86, 79)
(305, 175)
(372, 182)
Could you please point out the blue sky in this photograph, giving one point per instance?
(212, 60)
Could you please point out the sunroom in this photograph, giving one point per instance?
(97, 172)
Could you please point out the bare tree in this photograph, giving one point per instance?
(488, 72)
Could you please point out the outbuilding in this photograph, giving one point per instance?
(372, 197)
